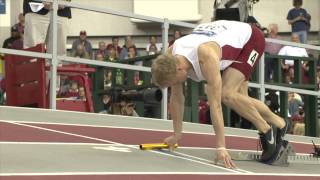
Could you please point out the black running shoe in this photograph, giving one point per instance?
(281, 147)
(282, 132)
(268, 142)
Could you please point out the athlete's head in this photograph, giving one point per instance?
(166, 71)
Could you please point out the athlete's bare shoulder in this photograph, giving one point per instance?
(209, 49)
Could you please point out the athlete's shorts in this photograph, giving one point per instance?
(250, 53)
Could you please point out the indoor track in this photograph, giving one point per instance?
(44, 144)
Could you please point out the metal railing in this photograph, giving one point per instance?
(55, 58)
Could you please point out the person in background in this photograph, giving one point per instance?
(153, 50)
(14, 41)
(81, 52)
(288, 64)
(153, 41)
(37, 25)
(115, 44)
(82, 40)
(102, 50)
(82, 94)
(20, 24)
(73, 91)
(273, 49)
(112, 54)
(100, 57)
(177, 35)
(299, 19)
(125, 47)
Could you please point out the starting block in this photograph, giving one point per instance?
(287, 156)
(154, 146)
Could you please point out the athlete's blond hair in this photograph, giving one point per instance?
(163, 70)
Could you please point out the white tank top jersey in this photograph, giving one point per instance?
(231, 36)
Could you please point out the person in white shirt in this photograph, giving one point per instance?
(153, 41)
(234, 48)
(287, 64)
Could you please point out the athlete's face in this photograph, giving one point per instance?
(181, 75)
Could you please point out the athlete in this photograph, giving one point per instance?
(233, 48)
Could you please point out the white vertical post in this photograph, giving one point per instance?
(165, 37)
(261, 78)
(54, 61)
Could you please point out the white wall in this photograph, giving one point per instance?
(97, 24)
(275, 11)
(5, 24)
(5, 18)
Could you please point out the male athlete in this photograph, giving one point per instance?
(234, 48)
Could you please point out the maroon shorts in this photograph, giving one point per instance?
(250, 53)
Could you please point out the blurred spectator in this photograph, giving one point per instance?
(132, 52)
(287, 65)
(271, 48)
(73, 91)
(294, 103)
(318, 79)
(177, 34)
(37, 25)
(272, 101)
(82, 40)
(20, 24)
(203, 112)
(299, 129)
(153, 50)
(82, 94)
(127, 109)
(106, 100)
(80, 52)
(102, 50)
(124, 50)
(299, 19)
(14, 41)
(154, 41)
(107, 79)
(115, 44)
(112, 54)
(100, 57)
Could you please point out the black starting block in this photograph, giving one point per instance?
(285, 158)
(316, 150)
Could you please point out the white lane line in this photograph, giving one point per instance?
(54, 143)
(146, 129)
(113, 148)
(102, 140)
(234, 150)
(157, 173)
(119, 127)
(202, 159)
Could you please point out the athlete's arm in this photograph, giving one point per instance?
(210, 66)
(177, 108)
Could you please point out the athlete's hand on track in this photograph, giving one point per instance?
(223, 156)
(171, 141)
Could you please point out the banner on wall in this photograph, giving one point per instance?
(2, 6)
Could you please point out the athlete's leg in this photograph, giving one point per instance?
(263, 110)
(232, 84)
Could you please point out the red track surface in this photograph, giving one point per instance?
(10, 132)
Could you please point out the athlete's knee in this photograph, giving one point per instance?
(227, 97)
